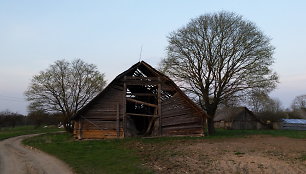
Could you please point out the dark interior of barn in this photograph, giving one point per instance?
(141, 108)
(143, 100)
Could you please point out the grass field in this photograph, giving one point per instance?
(127, 155)
(91, 157)
(24, 130)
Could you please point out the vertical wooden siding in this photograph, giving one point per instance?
(101, 119)
(178, 118)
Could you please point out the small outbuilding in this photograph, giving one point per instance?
(140, 102)
(293, 124)
(237, 118)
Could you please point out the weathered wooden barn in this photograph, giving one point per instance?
(237, 118)
(139, 102)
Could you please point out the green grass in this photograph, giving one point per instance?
(24, 130)
(91, 157)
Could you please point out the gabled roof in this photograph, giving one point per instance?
(151, 72)
(230, 114)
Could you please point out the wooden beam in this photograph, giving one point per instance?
(106, 110)
(143, 94)
(141, 82)
(141, 115)
(142, 78)
(118, 121)
(80, 129)
(141, 102)
(124, 107)
(159, 108)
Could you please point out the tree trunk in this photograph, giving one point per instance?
(211, 111)
(210, 125)
(68, 127)
(68, 124)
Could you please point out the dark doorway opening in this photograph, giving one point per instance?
(141, 109)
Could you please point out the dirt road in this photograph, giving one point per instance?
(18, 159)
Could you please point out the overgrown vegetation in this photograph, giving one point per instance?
(8, 132)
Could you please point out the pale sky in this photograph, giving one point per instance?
(109, 34)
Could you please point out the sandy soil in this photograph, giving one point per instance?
(18, 159)
(254, 154)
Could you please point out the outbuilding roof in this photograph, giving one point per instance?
(230, 114)
(294, 121)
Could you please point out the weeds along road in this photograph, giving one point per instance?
(18, 159)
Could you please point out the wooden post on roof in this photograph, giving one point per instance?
(124, 107)
(118, 121)
(159, 106)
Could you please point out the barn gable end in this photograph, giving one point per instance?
(139, 102)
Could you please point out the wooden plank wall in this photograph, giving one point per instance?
(100, 119)
(179, 118)
(98, 134)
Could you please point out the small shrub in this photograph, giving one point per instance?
(303, 157)
(239, 153)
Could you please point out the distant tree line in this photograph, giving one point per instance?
(37, 118)
(269, 109)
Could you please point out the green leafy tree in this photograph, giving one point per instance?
(64, 87)
(218, 58)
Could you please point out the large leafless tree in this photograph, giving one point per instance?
(220, 57)
(65, 87)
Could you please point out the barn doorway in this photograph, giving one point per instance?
(141, 109)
